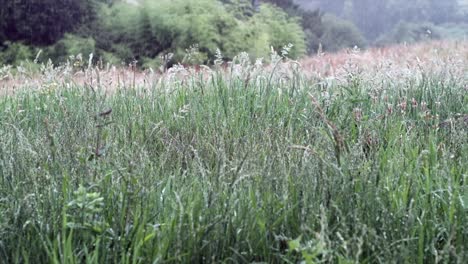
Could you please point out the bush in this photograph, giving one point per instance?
(184, 23)
(313, 28)
(71, 45)
(120, 31)
(332, 32)
(272, 27)
(149, 29)
(405, 32)
(110, 58)
(155, 28)
(339, 34)
(15, 53)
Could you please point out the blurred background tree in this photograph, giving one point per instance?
(43, 22)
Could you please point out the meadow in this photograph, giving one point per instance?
(354, 157)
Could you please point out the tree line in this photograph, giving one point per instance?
(147, 30)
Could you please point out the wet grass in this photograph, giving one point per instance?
(236, 169)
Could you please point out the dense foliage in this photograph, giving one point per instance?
(149, 30)
(168, 26)
(160, 32)
(43, 22)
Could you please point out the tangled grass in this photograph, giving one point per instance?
(244, 163)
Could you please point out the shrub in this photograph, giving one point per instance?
(125, 31)
(273, 27)
(184, 23)
(332, 32)
(405, 32)
(313, 28)
(110, 58)
(154, 28)
(15, 53)
(339, 34)
(71, 45)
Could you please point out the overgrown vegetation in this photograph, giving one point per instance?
(159, 33)
(243, 164)
(150, 30)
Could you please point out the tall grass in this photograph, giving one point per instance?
(246, 164)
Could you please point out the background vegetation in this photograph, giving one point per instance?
(156, 33)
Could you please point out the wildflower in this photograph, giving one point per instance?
(414, 103)
(389, 109)
(403, 105)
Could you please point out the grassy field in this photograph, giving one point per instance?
(359, 157)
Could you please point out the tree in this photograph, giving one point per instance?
(146, 44)
(313, 28)
(287, 5)
(339, 34)
(242, 9)
(333, 6)
(43, 22)
(371, 17)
